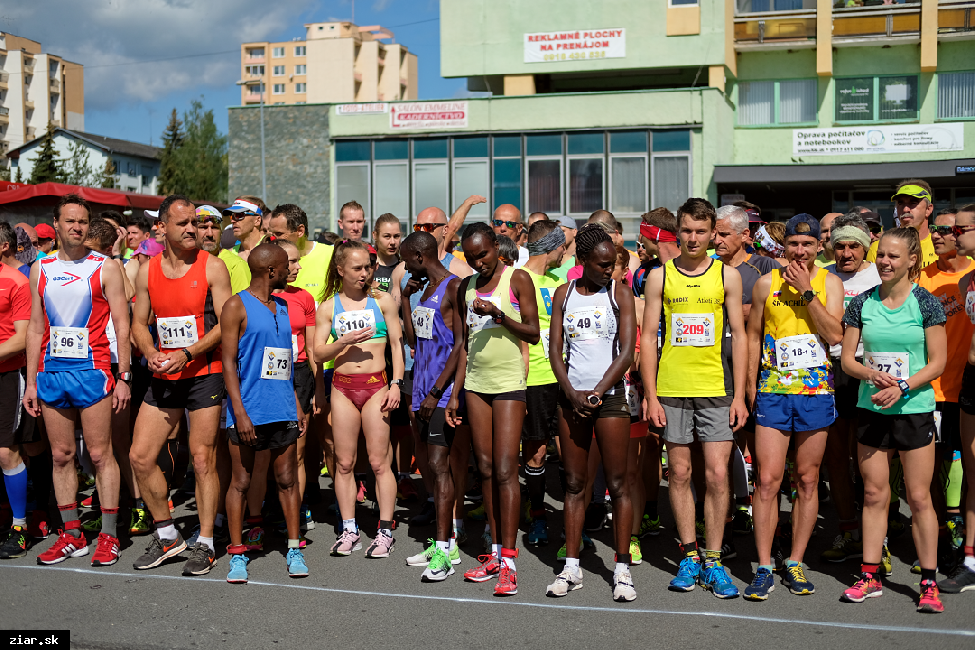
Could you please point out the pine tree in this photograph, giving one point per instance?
(47, 165)
(18, 177)
(77, 168)
(106, 178)
(171, 172)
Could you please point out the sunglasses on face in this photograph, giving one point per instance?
(240, 216)
(876, 229)
(510, 224)
(958, 231)
(944, 231)
(427, 227)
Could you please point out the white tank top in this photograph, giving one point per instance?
(590, 329)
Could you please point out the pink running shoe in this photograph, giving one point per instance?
(254, 539)
(867, 586)
(507, 584)
(930, 601)
(347, 542)
(490, 567)
(381, 546)
(360, 496)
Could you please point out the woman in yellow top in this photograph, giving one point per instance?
(500, 318)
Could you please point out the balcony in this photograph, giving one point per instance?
(31, 133)
(956, 17)
(29, 106)
(786, 28)
(55, 86)
(253, 98)
(56, 124)
(886, 21)
(28, 69)
(4, 80)
(4, 114)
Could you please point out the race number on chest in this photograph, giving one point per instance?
(350, 321)
(69, 342)
(798, 352)
(177, 331)
(277, 364)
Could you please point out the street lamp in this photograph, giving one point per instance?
(247, 82)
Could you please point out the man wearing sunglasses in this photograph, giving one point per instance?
(874, 223)
(247, 216)
(913, 206)
(507, 221)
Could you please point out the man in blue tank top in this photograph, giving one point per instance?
(435, 333)
(263, 418)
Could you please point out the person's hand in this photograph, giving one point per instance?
(653, 412)
(177, 361)
(159, 361)
(245, 430)
(580, 403)
(483, 307)
(886, 397)
(413, 286)
(356, 336)
(121, 397)
(739, 414)
(322, 394)
(30, 401)
(427, 407)
(475, 199)
(796, 276)
(451, 412)
(302, 420)
(881, 380)
(119, 243)
(390, 400)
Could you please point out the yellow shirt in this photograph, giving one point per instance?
(240, 273)
(314, 271)
(928, 256)
(494, 361)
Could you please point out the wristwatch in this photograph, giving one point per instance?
(396, 382)
(189, 355)
(499, 318)
(905, 388)
(124, 376)
(809, 296)
(436, 392)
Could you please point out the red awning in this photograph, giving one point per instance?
(48, 193)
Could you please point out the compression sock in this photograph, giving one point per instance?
(535, 481)
(69, 515)
(15, 481)
(110, 521)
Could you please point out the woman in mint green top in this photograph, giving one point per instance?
(904, 348)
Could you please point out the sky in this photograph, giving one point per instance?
(144, 58)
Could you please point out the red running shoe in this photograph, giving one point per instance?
(64, 547)
(360, 495)
(405, 490)
(930, 601)
(107, 552)
(507, 582)
(37, 527)
(490, 567)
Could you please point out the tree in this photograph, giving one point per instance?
(4, 173)
(106, 178)
(194, 164)
(18, 177)
(170, 169)
(76, 168)
(47, 165)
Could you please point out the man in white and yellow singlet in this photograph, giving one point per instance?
(694, 395)
(795, 317)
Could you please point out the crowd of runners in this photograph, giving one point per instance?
(732, 358)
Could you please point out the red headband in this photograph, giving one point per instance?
(656, 234)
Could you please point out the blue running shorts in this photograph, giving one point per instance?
(794, 413)
(76, 389)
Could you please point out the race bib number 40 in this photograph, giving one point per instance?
(350, 321)
(177, 331)
(277, 364)
(423, 322)
(692, 329)
(895, 364)
(586, 323)
(797, 352)
(69, 342)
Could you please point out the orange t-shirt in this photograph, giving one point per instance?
(944, 286)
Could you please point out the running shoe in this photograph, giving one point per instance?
(426, 516)
(139, 524)
(569, 580)
(538, 533)
(564, 551)
(296, 563)
(649, 527)
(486, 541)
(477, 514)
(489, 568)
(85, 481)
(107, 551)
(956, 531)
(687, 574)
(761, 585)
(623, 591)
(439, 567)
(714, 578)
(347, 542)
(172, 508)
(741, 522)
(916, 567)
(963, 579)
(895, 527)
(778, 555)
(324, 471)
(460, 536)
(202, 559)
(728, 550)
(159, 550)
(844, 548)
(360, 495)
(16, 544)
(254, 539)
(474, 493)
(587, 541)
(867, 586)
(699, 529)
(307, 521)
(507, 584)
(423, 558)
(238, 569)
(794, 578)
(930, 598)
(636, 553)
(92, 525)
(405, 491)
(37, 526)
(65, 546)
(595, 516)
(89, 502)
(381, 546)
(886, 561)
(947, 556)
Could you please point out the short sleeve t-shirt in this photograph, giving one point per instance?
(895, 338)
(301, 313)
(14, 306)
(853, 285)
(240, 273)
(751, 270)
(959, 328)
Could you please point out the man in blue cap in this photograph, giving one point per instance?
(795, 318)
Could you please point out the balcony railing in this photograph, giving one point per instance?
(254, 58)
(254, 97)
(28, 69)
(30, 132)
(954, 17)
(780, 26)
(55, 85)
(4, 110)
(883, 21)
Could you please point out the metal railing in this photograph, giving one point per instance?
(885, 20)
(956, 17)
(778, 26)
(4, 110)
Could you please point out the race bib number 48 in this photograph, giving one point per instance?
(69, 342)
(350, 321)
(797, 352)
(423, 322)
(277, 364)
(177, 331)
(692, 329)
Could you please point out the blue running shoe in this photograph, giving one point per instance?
(715, 578)
(538, 533)
(296, 564)
(587, 541)
(687, 574)
(761, 585)
(795, 579)
(238, 569)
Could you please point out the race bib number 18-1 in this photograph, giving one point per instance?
(800, 351)
(69, 342)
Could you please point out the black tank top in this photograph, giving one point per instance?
(384, 276)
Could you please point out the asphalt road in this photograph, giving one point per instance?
(356, 602)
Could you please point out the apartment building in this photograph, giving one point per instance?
(335, 62)
(35, 90)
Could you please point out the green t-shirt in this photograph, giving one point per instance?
(894, 342)
(240, 273)
(539, 368)
(563, 270)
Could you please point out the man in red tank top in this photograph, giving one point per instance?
(185, 288)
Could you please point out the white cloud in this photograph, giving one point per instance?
(103, 33)
(381, 5)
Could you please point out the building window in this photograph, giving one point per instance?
(585, 181)
(277, 71)
(300, 50)
(764, 6)
(544, 172)
(628, 177)
(471, 173)
(430, 181)
(301, 69)
(145, 181)
(766, 103)
(301, 88)
(870, 99)
(130, 170)
(671, 180)
(254, 70)
(256, 52)
(682, 3)
(956, 95)
(278, 89)
(352, 184)
(277, 52)
(392, 189)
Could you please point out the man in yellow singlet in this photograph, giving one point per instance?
(795, 317)
(913, 205)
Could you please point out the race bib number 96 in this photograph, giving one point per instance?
(69, 342)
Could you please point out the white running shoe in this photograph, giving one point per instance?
(623, 590)
(569, 580)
